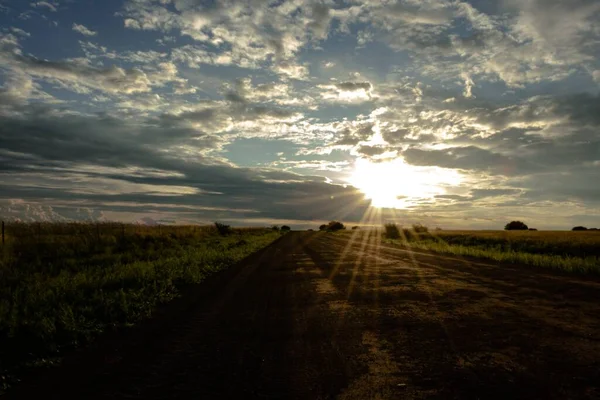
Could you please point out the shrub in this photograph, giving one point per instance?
(355, 228)
(579, 228)
(223, 229)
(323, 227)
(516, 226)
(285, 228)
(275, 228)
(392, 231)
(532, 229)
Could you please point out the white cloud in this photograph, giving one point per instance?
(19, 32)
(44, 4)
(83, 30)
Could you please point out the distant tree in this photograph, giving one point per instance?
(323, 227)
(532, 229)
(275, 227)
(593, 229)
(355, 228)
(419, 228)
(333, 226)
(223, 229)
(311, 230)
(579, 228)
(285, 228)
(392, 231)
(516, 226)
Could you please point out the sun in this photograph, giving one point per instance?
(396, 184)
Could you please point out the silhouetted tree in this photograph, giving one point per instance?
(532, 229)
(516, 226)
(333, 226)
(323, 227)
(275, 227)
(579, 228)
(223, 229)
(420, 228)
(392, 231)
(285, 228)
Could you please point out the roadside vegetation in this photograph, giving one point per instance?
(61, 285)
(577, 252)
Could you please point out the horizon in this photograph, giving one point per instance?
(460, 114)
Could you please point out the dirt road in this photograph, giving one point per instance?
(318, 316)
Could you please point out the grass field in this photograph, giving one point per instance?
(61, 285)
(577, 252)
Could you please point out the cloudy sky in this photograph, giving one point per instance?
(453, 113)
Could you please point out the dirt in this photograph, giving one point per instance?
(319, 316)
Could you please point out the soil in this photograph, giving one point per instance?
(320, 316)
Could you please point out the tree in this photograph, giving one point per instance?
(275, 227)
(323, 227)
(392, 231)
(285, 228)
(335, 226)
(355, 228)
(579, 228)
(419, 228)
(223, 229)
(516, 226)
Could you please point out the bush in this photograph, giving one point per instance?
(285, 228)
(392, 231)
(323, 227)
(532, 229)
(516, 226)
(579, 228)
(355, 228)
(275, 228)
(223, 229)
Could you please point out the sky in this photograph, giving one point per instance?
(457, 114)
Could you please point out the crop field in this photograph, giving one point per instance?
(61, 285)
(577, 252)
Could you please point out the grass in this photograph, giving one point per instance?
(62, 285)
(574, 252)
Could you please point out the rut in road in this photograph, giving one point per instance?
(317, 316)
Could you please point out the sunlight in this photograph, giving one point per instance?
(395, 184)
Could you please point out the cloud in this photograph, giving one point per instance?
(83, 30)
(347, 91)
(44, 4)
(100, 160)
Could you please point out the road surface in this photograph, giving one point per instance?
(322, 316)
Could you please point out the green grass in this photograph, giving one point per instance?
(61, 285)
(574, 252)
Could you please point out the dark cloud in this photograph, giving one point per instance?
(353, 86)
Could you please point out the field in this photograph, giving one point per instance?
(575, 252)
(61, 285)
(320, 315)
